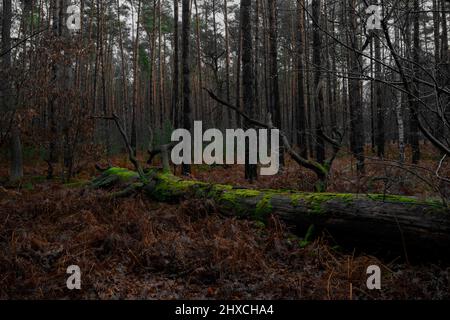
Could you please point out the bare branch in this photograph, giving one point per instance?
(131, 154)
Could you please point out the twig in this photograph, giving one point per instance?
(439, 169)
(22, 41)
(318, 169)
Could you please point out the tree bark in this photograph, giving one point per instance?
(380, 137)
(187, 113)
(301, 105)
(318, 85)
(414, 113)
(135, 82)
(275, 107)
(16, 168)
(444, 46)
(248, 81)
(355, 91)
(201, 108)
(176, 66)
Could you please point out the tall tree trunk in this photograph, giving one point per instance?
(380, 137)
(400, 125)
(248, 81)
(372, 99)
(52, 149)
(414, 122)
(265, 58)
(436, 26)
(318, 85)
(202, 106)
(124, 70)
(176, 68)
(301, 110)
(105, 126)
(274, 99)
(238, 73)
(257, 105)
(187, 113)
(16, 169)
(153, 77)
(160, 71)
(355, 101)
(445, 54)
(227, 63)
(133, 139)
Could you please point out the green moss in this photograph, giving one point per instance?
(229, 199)
(316, 200)
(229, 196)
(123, 173)
(247, 193)
(391, 198)
(223, 187)
(170, 187)
(295, 200)
(403, 199)
(216, 190)
(263, 208)
(167, 187)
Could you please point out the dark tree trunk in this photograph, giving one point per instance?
(414, 121)
(274, 99)
(52, 148)
(176, 72)
(248, 81)
(436, 32)
(186, 33)
(301, 109)
(135, 83)
(318, 86)
(380, 137)
(445, 54)
(227, 64)
(355, 98)
(16, 168)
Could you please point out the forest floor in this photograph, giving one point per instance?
(140, 249)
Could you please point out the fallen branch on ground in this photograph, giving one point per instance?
(396, 223)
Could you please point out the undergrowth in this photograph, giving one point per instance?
(136, 248)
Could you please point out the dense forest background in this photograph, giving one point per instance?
(327, 81)
(362, 107)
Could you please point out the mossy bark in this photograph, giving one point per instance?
(397, 223)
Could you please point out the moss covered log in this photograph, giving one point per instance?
(397, 223)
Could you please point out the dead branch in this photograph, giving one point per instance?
(131, 154)
(321, 171)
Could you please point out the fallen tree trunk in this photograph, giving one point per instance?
(395, 224)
